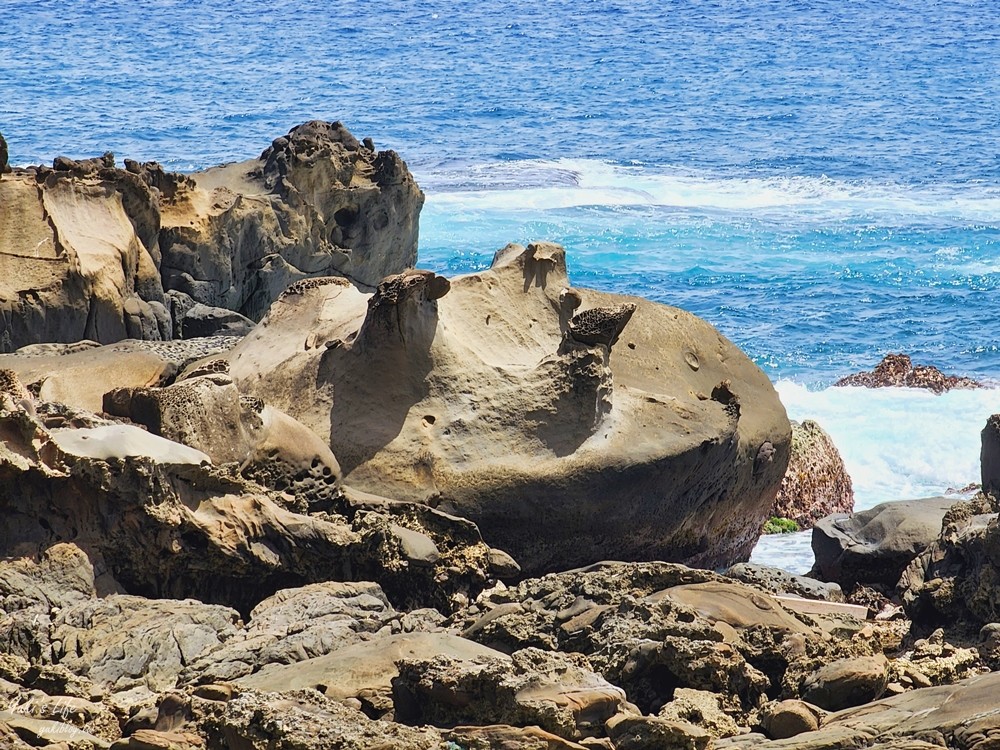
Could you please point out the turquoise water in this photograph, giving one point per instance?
(821, 180)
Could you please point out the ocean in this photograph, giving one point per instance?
(819, 179)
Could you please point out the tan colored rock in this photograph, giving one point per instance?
(477, 396)
(76, 261)
(87, 249)
(506, 737)
(630, 732)
(369, 665)
(788, 718)
(80, 379)
(702, 709)
(558, 692)
(206, 411)
(816, 483)
(848, 682)
(307, 720)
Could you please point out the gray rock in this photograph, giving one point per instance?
(201, 320)
(990, 456)
(875, 546)
(778, 581)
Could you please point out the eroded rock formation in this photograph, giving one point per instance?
(502, 397)
(88, 250)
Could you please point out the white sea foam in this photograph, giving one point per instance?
(897, 443)
(567, 183)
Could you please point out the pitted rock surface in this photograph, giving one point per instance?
(600, 325)
(897, 370)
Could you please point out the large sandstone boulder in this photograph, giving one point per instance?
(817, 483)
(875, 546)
(503, 397)
(87, 249)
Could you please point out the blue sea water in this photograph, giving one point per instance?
(819, 179)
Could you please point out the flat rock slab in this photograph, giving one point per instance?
(364, 666)
(123, 441)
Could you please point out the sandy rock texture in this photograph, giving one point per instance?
(162, 520)
(570, 425)
(817, 483)
(89, 250)
(874, 546)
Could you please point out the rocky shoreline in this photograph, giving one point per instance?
(266, 486)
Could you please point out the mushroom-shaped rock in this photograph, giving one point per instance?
(563, 455)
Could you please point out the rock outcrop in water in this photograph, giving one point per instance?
(92, 251)
(504, 398)
(896, 370)
(188, 560)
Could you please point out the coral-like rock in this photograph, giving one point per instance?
(816, 483)
(897, 370)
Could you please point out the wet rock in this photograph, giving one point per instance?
(897, 370)
(816, 483)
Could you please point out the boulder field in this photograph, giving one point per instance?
(376, 508)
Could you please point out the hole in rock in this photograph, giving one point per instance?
(429, 420)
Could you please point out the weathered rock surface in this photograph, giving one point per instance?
(655, 628)
(481, 398)
(989, 456)
(897, 370)
(166, 523)
(4, 166)
(955, 582)
(87, 249)
(817, 483)
(557, 692)
(875, 546)
(78, 255)
(317, 202)
(777, 581)
(962, 715)
(205, 410)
